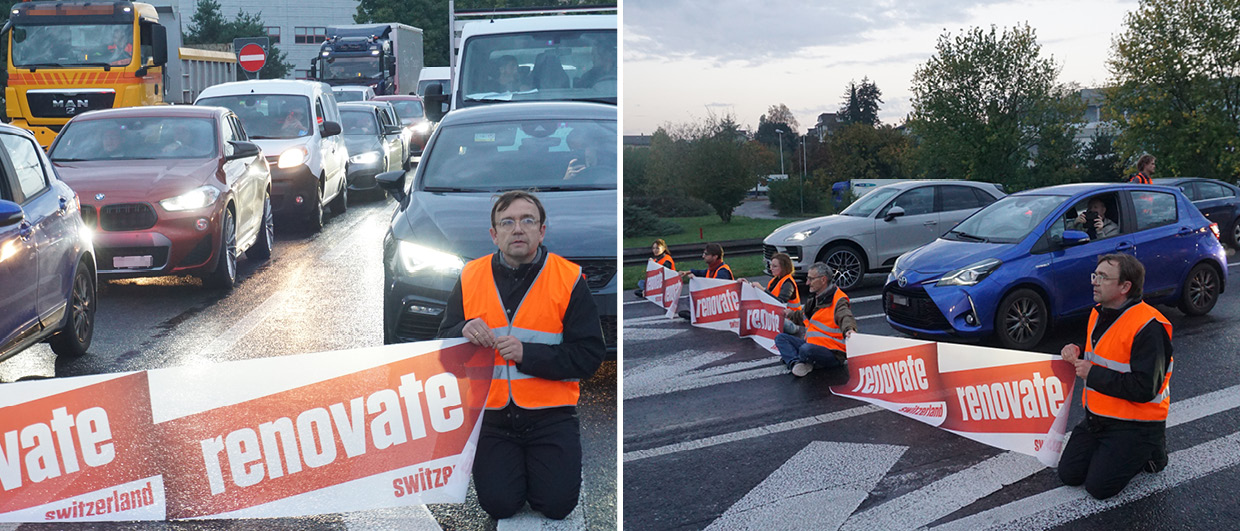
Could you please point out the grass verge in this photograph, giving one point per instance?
(713, 229)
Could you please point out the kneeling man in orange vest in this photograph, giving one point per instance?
(535, 309)
(1126, 365)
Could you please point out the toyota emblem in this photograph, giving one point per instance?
(902, 281)
(99, 197)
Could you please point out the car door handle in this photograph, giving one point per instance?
(1126, 247)
(930, 223)
(1184, 231)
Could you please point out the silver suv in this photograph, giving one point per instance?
(885, 223)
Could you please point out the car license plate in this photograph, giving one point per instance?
(123, 262)
(899, 300)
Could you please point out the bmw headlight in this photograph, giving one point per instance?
(201, 197)
(415, 258)
(293, 157)
(799, 236)
(369, 157)
(971, 275)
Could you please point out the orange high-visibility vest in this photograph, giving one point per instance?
(1114, 351)
(539, 319)
(795, 302)
(1140, 178)
(667, 261)
(715, 273)
(822, 330)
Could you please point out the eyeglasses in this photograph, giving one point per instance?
(528, 223)
(809, 279)
(1098, 278)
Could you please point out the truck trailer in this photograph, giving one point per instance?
(384, 57)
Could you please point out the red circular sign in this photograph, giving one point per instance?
(252, 57)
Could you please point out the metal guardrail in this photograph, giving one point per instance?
(690, 251)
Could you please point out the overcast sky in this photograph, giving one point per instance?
(686, 59)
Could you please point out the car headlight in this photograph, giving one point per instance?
(415, 258)
(293, 157)
(799, 236)
(369, 157)
(968, 276)
(201, 197)
(422, 127)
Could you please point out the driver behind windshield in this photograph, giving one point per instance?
(604, 67)
(118, 54)
(294, 123)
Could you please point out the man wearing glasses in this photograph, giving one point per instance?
(535, 309)
(830, 322)
(1126, 366)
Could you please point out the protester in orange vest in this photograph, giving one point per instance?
(1126, 365)
(782, 286)
(658, 252)
(535, 309)
(715, 268)
(828, 323)
(1145, 170)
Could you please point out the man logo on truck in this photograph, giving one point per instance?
(70, 106)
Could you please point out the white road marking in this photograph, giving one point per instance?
(637, 321)
(247, 323)
(864, 299)
(651, 334)
(682, 371)
(873, 316)
(1067, 504)
(529, 520)
(751, 433)
(413, 518)
(816, 489)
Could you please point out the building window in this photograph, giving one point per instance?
(273, 34)
(309, 35)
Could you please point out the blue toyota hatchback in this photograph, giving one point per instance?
(1020, 264)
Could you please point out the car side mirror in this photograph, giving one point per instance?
(1074, 237)
(329, 128)
(242, 149)
(10, 213)
(393, 182)
(893, 213)
(435, 102)
(393, 129)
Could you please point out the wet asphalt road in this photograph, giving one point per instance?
(717, 431)
(319, 292)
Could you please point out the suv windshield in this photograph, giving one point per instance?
(550, 65)
(870, 202)
(156, 137)
(1008, 220)
(268, 115)
(543, 154)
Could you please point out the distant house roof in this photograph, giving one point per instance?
(637, 141)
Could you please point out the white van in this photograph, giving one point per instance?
(297, 125)
(435, 75)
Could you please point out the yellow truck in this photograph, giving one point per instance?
(69, 57)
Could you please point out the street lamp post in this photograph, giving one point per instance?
(781, 152)
(802, 188)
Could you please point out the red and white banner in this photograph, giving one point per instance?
(761, 316)
(273, 437)
(1011, 400)
(715, 304)
(662, 287)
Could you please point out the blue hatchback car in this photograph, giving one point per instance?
(1020, 264)
(47, 262)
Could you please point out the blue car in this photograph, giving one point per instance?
(1022, 263)
(47, 262)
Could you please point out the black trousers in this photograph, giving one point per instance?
(528, 456)
(1105, 454)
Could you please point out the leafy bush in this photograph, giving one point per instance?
(639, 221)
(785, 197)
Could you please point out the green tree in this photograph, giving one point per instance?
(721, 166)
(665, 168)
(1176, 87)
(1099, 160)
(861, 151)
(986, 103)
(208, 25)
(861, 103)
(635, 162)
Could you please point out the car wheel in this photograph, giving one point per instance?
(1200, 292)
(341, 201)
(74, 336)
(261, 250)
(314, 220)
(847, 264)
(1022, 320)
(225, 274)
(1235, 232)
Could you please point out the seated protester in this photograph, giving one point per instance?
(658, 252)
(1102, 226)
(782, 286)
(715, 268)
(828, 322)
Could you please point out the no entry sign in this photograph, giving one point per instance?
(252, 57)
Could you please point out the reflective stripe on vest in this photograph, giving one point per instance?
(795, 302)
(715, 273)
(539, 319)
(1140, 178)
(1114, 352)
(666, 261)
(822, 330)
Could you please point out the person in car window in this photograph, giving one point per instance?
(1102, 225)
(1126, 366)
(534, 308)
(507, 76)
(294, 123)
(604, 67)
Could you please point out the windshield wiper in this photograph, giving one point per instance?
(107, 67)
(963, 234)
(69, 160)
(448, 189)
(568, 188)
